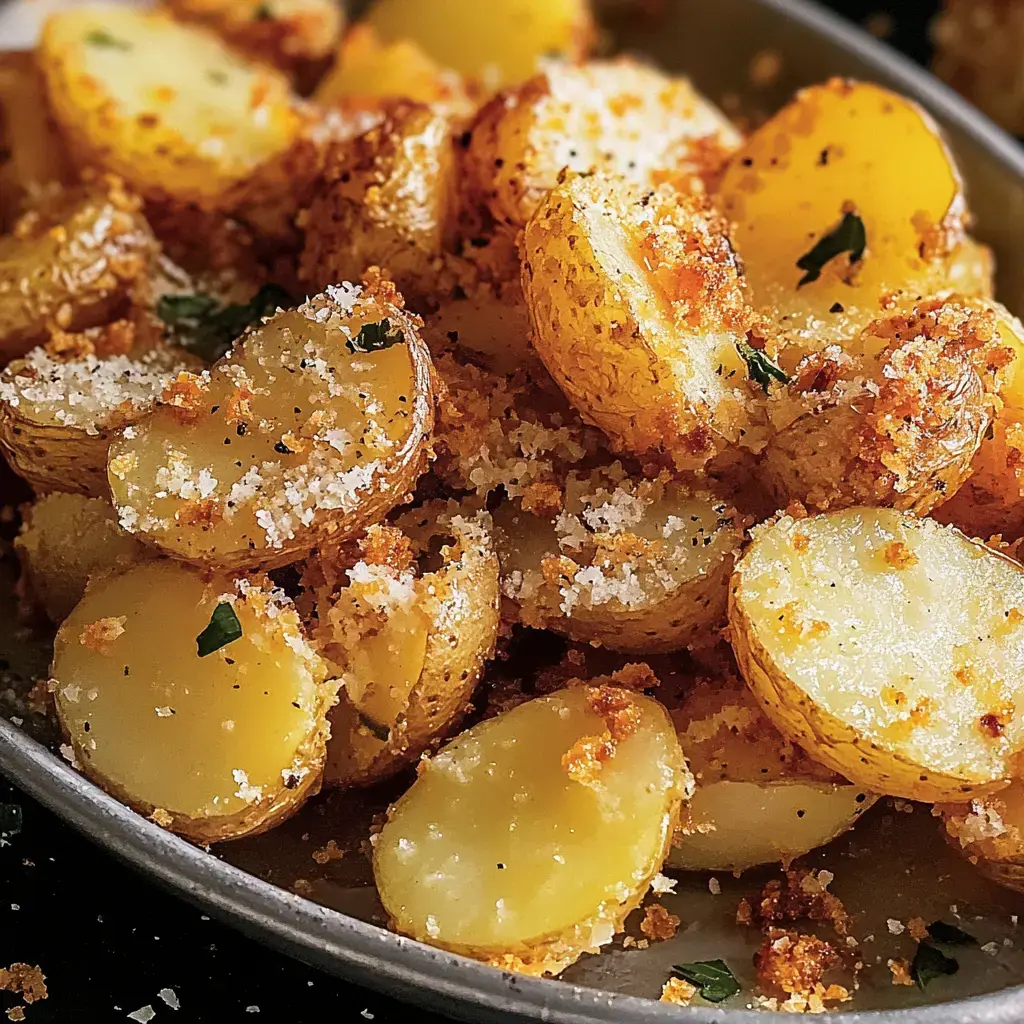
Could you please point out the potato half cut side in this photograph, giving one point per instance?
(57, 416)
(990, 833)
(74, 260)
(212, 747)
(890, 648)
(637, 311)
(898, 421)
(633, 565)
(619, 117)
(314, 425)
(65, 539)
(499, 41)
(408, 637)
(167, 106)
(759, 798)
(841, 157)
(528, 839)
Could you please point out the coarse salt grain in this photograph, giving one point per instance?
(143, 1014)
(170, 997)
(714, 886)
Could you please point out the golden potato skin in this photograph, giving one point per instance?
(457, 608)
(74, 260)
(637, 309)
(123, 87)
(384, 200)
(617, 117)
(64, 540)
(899, 427)
(230, 748)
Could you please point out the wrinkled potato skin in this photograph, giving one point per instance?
(73, 262)
(384, 200)
(462, 614)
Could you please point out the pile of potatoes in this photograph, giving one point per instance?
(340, 358)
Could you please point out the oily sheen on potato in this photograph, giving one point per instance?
(528, 839)
(212, 747)
(759, 798)
(890, 647)
(314, 425)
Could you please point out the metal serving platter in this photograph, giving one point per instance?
(892, 866)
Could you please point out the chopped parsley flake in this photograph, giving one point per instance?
(760, 367)
(713, 977)
(930, 963)
(101, 37)
(224, 629)
(849, 235)
(375, 337)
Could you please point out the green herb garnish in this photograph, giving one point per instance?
(713, 977)
(848, 236)
(203, 326)
(760, 367)
(930, 963)
(101, 37)
(381, 731)
(224, 629)
(263, 13)
(374, 337)
(950, 935)
(10, 819)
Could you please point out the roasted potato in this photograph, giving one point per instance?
(58, 415)
(528, 839)
(845, 629)
(409, 641)
(618, 117)
(637, 310)
(167, 106)
(32, 153)
(846, 195)
(385, 199)
(367, 71)
(498, 42)
(900, 424)
(289, 34)
(195, 700)
(65, 539)
(759, 798)
(313, 426)
(75, 259)
(632, 565)
(990, 832)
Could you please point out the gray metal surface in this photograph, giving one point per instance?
(713, 40)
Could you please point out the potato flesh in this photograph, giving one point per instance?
(167, 106)
(325, 427)
(499, 41)
(64, 541)
(848, 631)
(759, 799)
(841, 145)
(496, 849)
(204, 739)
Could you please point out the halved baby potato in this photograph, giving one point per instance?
(65, 539)
(409, 639)
(759, 799)
(638, 311)
(213, 745)
(890, 648)
(846, 195)
(990, 833)
(895, 420)
(75, 259)
(384, 200)
(529, 838)
(619, 117)
(313, 426)
(167, 106)
(632, 565)
(58, 416)
(499, 41)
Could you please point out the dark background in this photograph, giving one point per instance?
(108, 941)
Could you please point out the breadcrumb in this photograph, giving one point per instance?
(900, 970)
(677, 991)
(99, 636)
(25, 980)
(658, 924)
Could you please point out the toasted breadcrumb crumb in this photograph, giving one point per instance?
(25, 980)
(99, 636)
(325, 854)
(161, 817)
(16, 1013)
(918, 929)
(582, 762)
(658, 924)
(677, 991)
(899, 556)
(900, 970)
(793, 963)
(802, 896)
